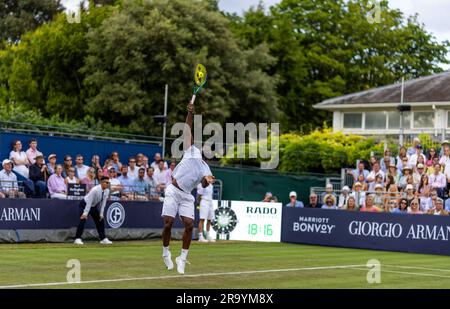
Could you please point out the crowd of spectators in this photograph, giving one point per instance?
(416, 181)
(27, 174)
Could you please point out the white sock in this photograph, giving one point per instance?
(184, 253)
(166, 251)
(207, 234)
(200, 235)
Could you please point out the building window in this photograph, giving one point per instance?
(423, 119)
(448, 119)
(375, 120)
(352, 120)
(394, 120)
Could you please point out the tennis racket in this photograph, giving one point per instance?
(200, 78)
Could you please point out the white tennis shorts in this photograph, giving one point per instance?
(177, 201)
(206, 210)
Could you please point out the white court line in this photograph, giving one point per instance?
(405, 273)
(416, 267)
(179, 276)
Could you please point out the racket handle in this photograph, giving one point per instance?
(193, 99)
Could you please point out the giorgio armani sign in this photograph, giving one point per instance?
(409, 233)
(20, 214)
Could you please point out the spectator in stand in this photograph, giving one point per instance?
(95, 163)
(140, 186)
(394, 173)
(372, 161)
(392, 204)
(343, 197)
(56, 184)
(267, 196)
(447, 205)
(378, 181)
(160, 175)
(151, 186)
(89, 180)
(359, 194)
(375, 171)
(140, 160)
(107, 165)
(71, 178)
(328, 190)
(115, 185)
(378, 198)
(67, 166)
(360, 170)
(444, 144)
(388, 182)
(392, 195)
(424, 191)
(80, 169)
(402, 155)
(439, 209)
(133, 171)
(8, 182)
(419, 153)
(438, 181)
(445, 158)
(432, 155)
(157, 158)
(126, 182)
(98, 177)
(406, 172)
(404, 164)
(39, 174)
(19, 159)
(431, 202)
(145, 162)
(420, 171)
(169, 172)
(351, 204)
(412, 150)
(293, 202)
(116, 161)
(32, 152)
(430, 169)
(414, 207)
(369, 207)
(387, 161)
(410, 196)
(51, 165)
(313, 201)
(402, 207)
(365, 186)
(330, 202)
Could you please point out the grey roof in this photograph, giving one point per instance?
(433, 88)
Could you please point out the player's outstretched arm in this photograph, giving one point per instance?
(188, 137)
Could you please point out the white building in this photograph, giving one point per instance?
(376, 111)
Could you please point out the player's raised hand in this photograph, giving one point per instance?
(190, 107)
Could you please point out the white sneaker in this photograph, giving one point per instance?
(181, 264)
(78, 241)
(106, 241)
(210, 239)
(202, 239)
(168, 261)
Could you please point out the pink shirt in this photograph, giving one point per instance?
(56, 184)
(32, 154)
(372, 209)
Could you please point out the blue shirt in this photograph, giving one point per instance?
(297, 204)
(140, 186)
(447, 204)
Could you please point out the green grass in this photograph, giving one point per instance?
(44, 263)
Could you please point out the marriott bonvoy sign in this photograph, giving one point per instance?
(411, 233)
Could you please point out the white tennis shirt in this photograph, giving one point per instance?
(191, 170)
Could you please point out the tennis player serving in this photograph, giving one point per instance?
(191, 171)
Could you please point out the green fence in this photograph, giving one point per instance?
(251, 184)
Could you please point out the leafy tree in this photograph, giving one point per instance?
(20, 16)
(145, 45)
(327, 48)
